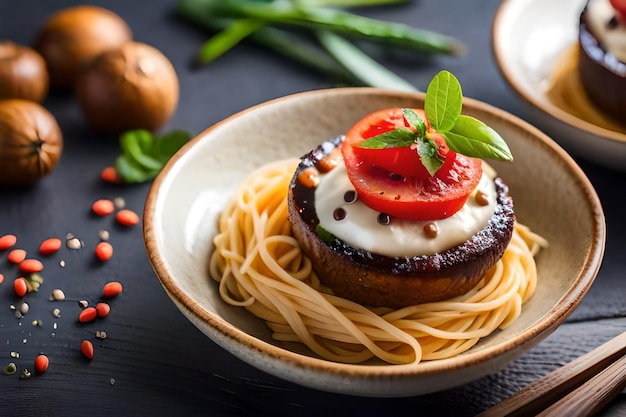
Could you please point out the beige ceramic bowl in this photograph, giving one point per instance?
(534, 44)
(551, 194)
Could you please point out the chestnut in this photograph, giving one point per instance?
(73, 36)
(31, 142)
(23, 73)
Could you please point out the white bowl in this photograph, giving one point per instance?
(551, 194)
(532, 39)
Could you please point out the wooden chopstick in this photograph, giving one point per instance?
(580, 387)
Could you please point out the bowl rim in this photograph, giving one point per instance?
(541, 328)
(545, 106)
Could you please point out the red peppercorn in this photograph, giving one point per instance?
(110, 175)
(86, 348)
(112, 289)
(50, 246)
(41, 363)
(104, 251)
(16, 256)
(103, 309)
(103, 207)
(28, 266)
(127, 217)
(20, 286)
(88, 314)
(7, 242)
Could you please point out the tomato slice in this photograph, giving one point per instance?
(403, 161)
(394, 181)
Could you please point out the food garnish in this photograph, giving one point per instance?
(144, 154)
(420, 164)
(463, 134)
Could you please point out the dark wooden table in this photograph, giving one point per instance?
(155, 362)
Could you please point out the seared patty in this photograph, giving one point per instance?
(377, 280)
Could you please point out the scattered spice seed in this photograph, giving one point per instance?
(103, 207)
(56, 313)
(104, 251)
(7, 242)
(20, 286)
(103, 309)
(127, 217)
(34, 281)
(57, 295)
(431, 230)
(25, 374)
(10, 369)
(29, 266)
(384, 219)
(1, 278)
(110, 175)
(83, 303)
(24, 307)
(41, 363)
(72, 242)
(87, 315)
(100, 334)
(112, 289)
(120, 203)
(16, 256)
(481, 198)
(50, 246)
(104, 235)
(86, 348)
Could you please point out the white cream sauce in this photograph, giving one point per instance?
(613, 38)
(360, 227)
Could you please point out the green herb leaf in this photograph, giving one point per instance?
(143, 154)
(131, 172)
(136, 146)
(473, 138)
(427, 149)
(164, 147)
(396, 138)
(444, 101)
(324, 234)
(415, 120)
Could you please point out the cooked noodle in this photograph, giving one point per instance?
(259, 266)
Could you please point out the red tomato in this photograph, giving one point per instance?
(403, 161)
(395, 182)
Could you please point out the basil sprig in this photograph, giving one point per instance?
(144, 154)
(463, 134)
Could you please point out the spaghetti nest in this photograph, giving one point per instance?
(259, 266)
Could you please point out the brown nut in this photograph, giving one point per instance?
(30, 142)
(132, 87)
(72, 37)
(23, 73)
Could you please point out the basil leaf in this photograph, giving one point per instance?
(443, 102)
(164, 147)
(324, 234)
(415, 120)
(131, 171)
(428, 149)
(473, 138)
(136, 146)
(397, 138)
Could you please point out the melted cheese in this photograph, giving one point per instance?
(360, 227)
(612, 38)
